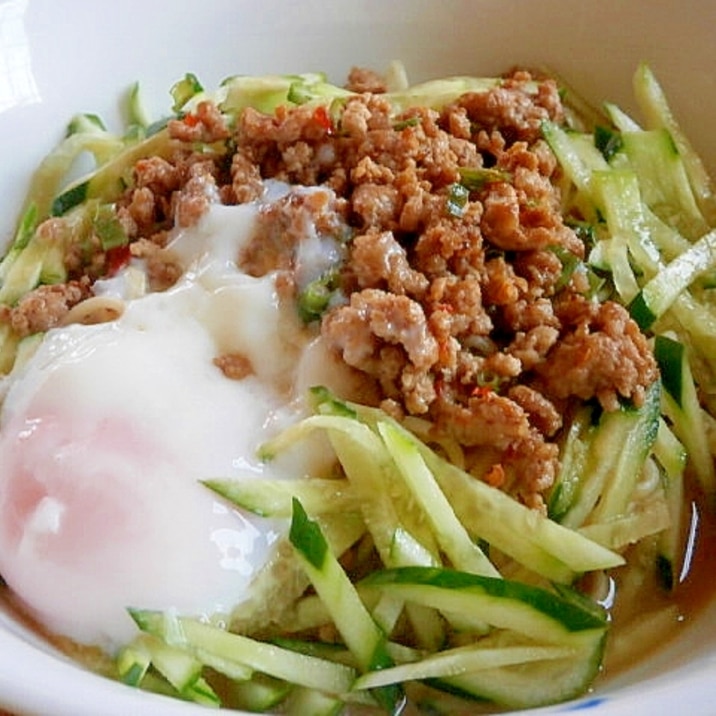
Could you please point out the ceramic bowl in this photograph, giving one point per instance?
(60, 58)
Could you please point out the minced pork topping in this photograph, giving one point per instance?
(456, 302)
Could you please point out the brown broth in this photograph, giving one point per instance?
(648, 618)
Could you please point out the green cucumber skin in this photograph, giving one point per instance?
(515, 688)
(306, 536)
(329, 580)
(69, 199)
(245, 652)
(669, 355)
(573, 617)
(641, 312)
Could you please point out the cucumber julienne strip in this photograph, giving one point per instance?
(133, 662)
(573, 458)
(639, 439)
(655, 107)
(539, 543)
(231, 648)
(681, 405)
(564, 643)
(526, 686)
(459, 661)
(619, 199)
(262, 693)
(663, 180)
(273, 498)
(53, 169)
(616, 451)
(367, 465)
(649, 518)
(362, 635)
(182, 670)
(399, 536)
(671, 454)
(451, 535)
(532, 611)
(660, 292)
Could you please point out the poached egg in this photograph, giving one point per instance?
(106, 431)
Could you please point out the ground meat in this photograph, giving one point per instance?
(246, 182)
(195, 197)
(462, 311)
(524, 212)
(235, 366)
(205, 124)
(449, 246)
(158, 175)
(542, 413)
(530, 467)
(485, 419)
(531, 347)
(283, 225)
(457, 316)
(361, 79)
(377, 205)
(162, 267)
(45, 307)
(387, 336)
(167, 194)
(604, 356)
(378, 261)
(516, 108)
(459, 301)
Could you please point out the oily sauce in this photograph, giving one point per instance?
(646, 616)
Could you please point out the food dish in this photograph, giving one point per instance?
(292, 66)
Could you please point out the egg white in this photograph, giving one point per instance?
(106, 431)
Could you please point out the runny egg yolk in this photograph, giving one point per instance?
(107, 430)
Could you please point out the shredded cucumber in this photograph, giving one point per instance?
(237, 650)
(432, 537)
(361, 633)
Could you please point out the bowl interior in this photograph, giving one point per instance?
(51, 68)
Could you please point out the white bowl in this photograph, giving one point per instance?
(59, 58)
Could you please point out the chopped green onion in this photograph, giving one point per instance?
(475, 178)
(405, 123)
(315, 298)
(457, 199)
(570, 262)
(108, 228)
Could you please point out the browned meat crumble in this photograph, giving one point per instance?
(45, 307)
(461, 315)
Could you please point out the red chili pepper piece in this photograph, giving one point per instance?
(191, 120)
(482, 391)
(117, 258)
(323, 119)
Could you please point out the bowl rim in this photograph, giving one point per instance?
(41, 118)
